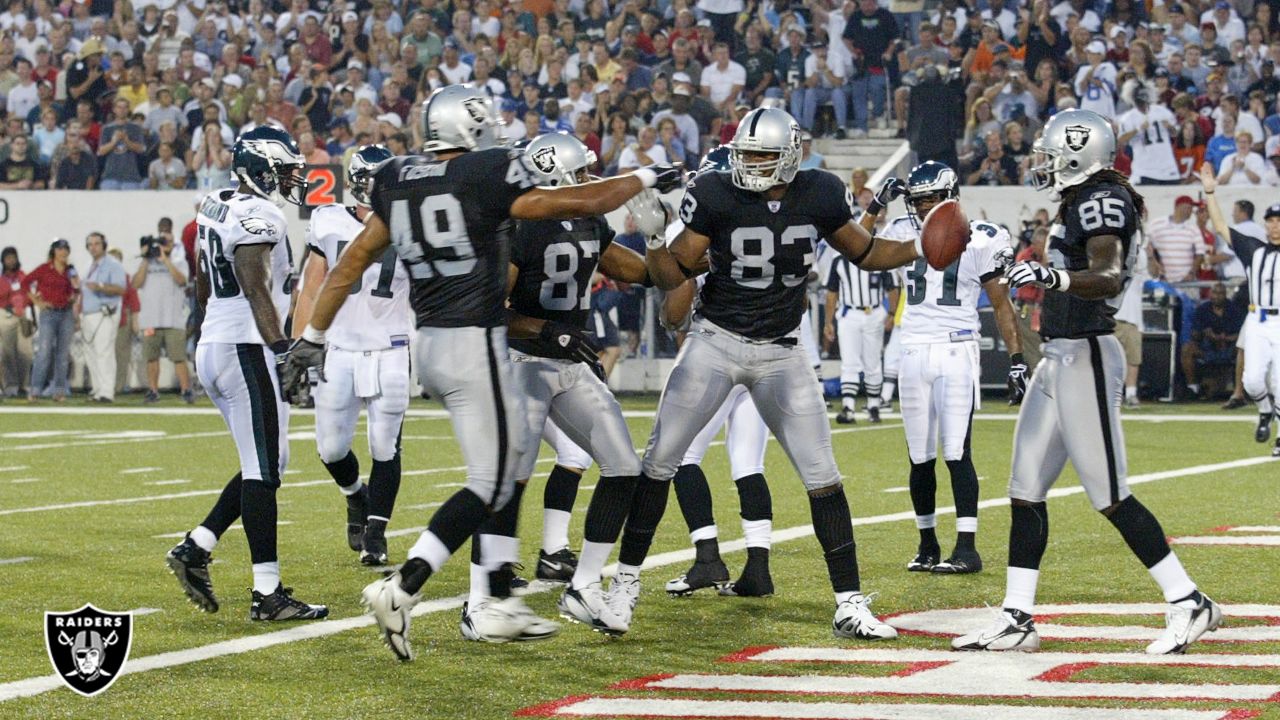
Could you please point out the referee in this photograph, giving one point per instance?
(855, 302)
(1261, 329)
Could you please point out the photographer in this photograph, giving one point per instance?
(161, 281)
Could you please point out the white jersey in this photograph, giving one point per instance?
(942, 305)
(228, 220)
(1152, 148)
(377, 315)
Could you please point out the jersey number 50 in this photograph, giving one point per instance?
(445, 249)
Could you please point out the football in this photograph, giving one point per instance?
(945, 234)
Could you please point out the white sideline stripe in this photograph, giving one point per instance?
(1256, 528)
(41, 684)
(144, 611)
(233, 527)
(1273, 540)
(137, 471)
(12, 468)
(423, 506)
(901, 655)
(406, 531)
(899, 489)
(16, 560)
(23, 481)
(168, 482)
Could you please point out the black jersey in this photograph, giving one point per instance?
(555, 260)
(450, 223)
(762, 251)
(1261, 262)
(1098, 209)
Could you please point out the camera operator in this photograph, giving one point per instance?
(161, 280)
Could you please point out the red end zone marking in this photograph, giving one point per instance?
(747, 653)
(641, 683)
(549, 709)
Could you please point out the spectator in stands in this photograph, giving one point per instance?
(808, 158)
(1214, 331)
(870, 36)
(760, 64)
(825, 82)
(994, 168)
(645, 151)
(20, 171)
(161, 280)
(981, 122)
(1148, 131)
(167, 172)
(74, 165)
(48, 136)
(121, 150)
(85, 79)
(1175, 246)
(211, 161)
(935, 116)
(16, 328)
(1095, 81)
(52, 289)
(722, 80)
(1244, 166)
(672, 146)
(1188, 150)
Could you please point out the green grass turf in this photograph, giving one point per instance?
(107, 555)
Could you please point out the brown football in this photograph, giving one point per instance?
(945, 234)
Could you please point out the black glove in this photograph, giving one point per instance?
(293, 368)
(574, 342)
(670, 177)
(892, 189)
(1017, 379)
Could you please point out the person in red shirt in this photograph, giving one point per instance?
(15, 327)
(189, 241)
(1026, 300)
(52, 289)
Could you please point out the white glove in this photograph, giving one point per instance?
(650, 217)
(1028, 272)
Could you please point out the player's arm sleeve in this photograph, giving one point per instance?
(312, 241)
(516, 180)
(834, 201)
(1243, 246)
(995, 256)
(260, 226)
(697, 209)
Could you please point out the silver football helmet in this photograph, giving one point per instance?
(459, 117)
(1074, 145)
(558, 159)
(765, 130)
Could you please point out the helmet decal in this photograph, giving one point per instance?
(1077, 137)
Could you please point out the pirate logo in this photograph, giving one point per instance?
(1077, 136)
(544, 159)
(88, 647)
(476, 108)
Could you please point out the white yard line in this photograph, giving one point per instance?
(168, 482)
(142, 499)
(12, 468)
(236, 646)
(233, 527)
(139, 470)
(24, 481)
(16, 560)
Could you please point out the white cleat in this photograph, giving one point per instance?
(1185, 625)
(854, 619)
(624, 593)
(495, 620)
(588, 606)
(390, 605)
(1006, 633)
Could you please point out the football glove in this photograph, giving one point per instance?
(1030, 272)
(650, 216)
(665, 177)
(1017, 379)
(575, 343)
(294, 368)
(892, 189)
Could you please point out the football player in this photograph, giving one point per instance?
(938, 378)
(366, 362)
(760, 223)
(448, 216)
(1072, 406)
(244, 285)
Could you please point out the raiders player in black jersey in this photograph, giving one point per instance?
(449, 218)
(1072, 407)
(759, 224)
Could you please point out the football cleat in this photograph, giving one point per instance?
(190, 564)
(700, 575)
(373, 546)
(501, 620)
(923, 561)
(961, 562)
(755, 581)
(281, 605)
(1275, 449)
(854, 620)
(624, 593)
(357, 510)
(1233, 402)
(847, 417)
(1185, 625)
(1263, 432)
(588, 606)
(874, 414)
(556, 567)
(390, 606)
(1012, 630)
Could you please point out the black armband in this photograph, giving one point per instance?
(865, 253)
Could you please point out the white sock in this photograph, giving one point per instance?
(1131, 392)
(266, 577)
(430, 549)
(967, 524)
(848, 597)
(1020, 589)
(924, 522)
(706, 532)
(591, 563)
(848, 403)
(205, 538)
(479, 585)
(1264, 405)
(555, 531)
(495, 550)
(1172, 578)
(889, 387)
(758, 533)
(873, 402)
(351, 489)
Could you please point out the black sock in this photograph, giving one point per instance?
(503, 521)
(608, 509)
(693, 494)
(757, 555)
(706, 551)
(1141, 531)
(562, 489)
(647, 506)
(455, 521)
(964, 486)
(833, 525)
(1028, 534)
(384, 485)
(258, 513)
(929, 542)
(375, 526)
(923, 483)
(346, 471)
(226, 510)
(754, 498)
(965, 541)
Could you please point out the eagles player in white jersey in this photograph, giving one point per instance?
(449, 218)
(366, 363)
(244, 288)
(938, 377)
(754, 230)
(1072, 407)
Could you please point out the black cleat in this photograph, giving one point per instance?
(1233, 403)
(373, 547)
(190, 564)
(874, 413)
(1263, 433)
(357, 512)
(846, 417)
(961, 562)
(700, 575)
(280, 605)
(556, 567)
(924, 561)
(1275, 450)
(754, 581)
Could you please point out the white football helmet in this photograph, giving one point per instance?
(765, 130)
(459, 117)
(558, 159)
(1074, 145)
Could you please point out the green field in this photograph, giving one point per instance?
(164, 468)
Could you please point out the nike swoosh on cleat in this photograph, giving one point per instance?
(554, 566)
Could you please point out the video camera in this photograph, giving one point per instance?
(151, 246)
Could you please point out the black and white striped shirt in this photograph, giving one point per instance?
(857, 288)
(1261, 261)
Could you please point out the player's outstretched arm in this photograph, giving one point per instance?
(621, 263)
(253, 270)
(1216, 217)
(368, 246)
(869, 252)
(677, 305)
(593, 198)
(313, 272)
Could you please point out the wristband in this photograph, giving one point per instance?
(918, 243)
(313, 335)
(647, 177)
(874, 207)
(1064, 280)
(280, 347)
(1016, 359)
